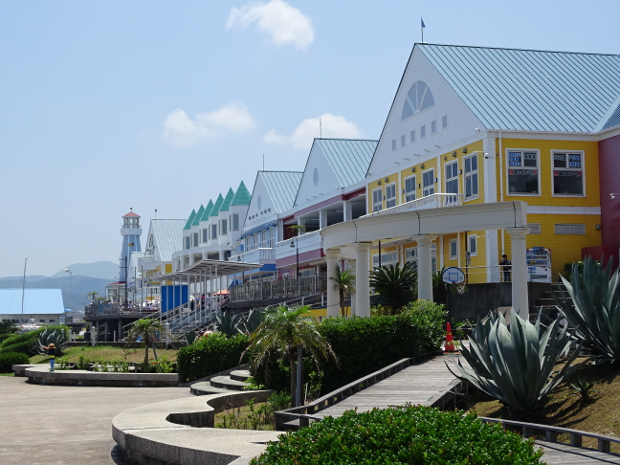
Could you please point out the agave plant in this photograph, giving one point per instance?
(228, 324)
(595, 314)
(58, 336)
(515, 364)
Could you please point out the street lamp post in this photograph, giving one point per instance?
(67, 270)
(296, 246)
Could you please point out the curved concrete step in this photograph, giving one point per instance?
(205, 388)
(225, 382)
(240, 375)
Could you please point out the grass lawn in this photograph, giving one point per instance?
(246, 417)
(108, 353)
(601, 415)
(7, 374)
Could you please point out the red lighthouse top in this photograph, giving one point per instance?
(131, 214)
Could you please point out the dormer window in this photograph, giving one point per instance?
(419, 98)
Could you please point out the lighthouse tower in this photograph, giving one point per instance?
(131, 233)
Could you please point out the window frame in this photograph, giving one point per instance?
(434, 127)
(583, 171)
(393, 145)
(415, 193)
(454, 178)
(224, 227)
(205, 235)
(390, 186)
(508, 167)
(235, 222)
(213, 231)
(467, 175)
(423, 131)
(412, 136)
(379, 202)
(453, 243)
(403, 140)
(444, 122)
(432, 186)
(472, 238)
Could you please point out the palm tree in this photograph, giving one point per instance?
(288, 330)
(92, 295)
(147, 330)
(344, 283)
(395, 284)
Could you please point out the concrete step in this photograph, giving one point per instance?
(225, 382)
(240, 375)
(205, 388)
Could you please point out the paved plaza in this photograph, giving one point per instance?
(65, 425)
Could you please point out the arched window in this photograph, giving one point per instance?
(419, 98)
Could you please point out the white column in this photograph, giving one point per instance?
(425, 270)
(520, 303)
(322, 219)
(362, 277)
(352, 266)
(221, 255)
(347, 210)
(333, 298)
(191, 259)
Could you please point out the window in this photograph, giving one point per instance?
(567, 173)
(428, 182)
(387, 258)
(418, 98)
(235, 222)
(411, 255)
(471, 177)
(270, 237)
(195, 239)
(433, 127)
(454, 252)
(390, 195)
(393, 144)
(213, 231)
(377, 200)
(263, 238)
(522, 172)
(224, 227)
(423, 132)
(412, 137)
(473, 245)
(452, 178)
(434, 256)
(205, 235)
(444, 122)
(409, 188)
(402, 140)
(570, 229)
(187, 243)
(534, 228)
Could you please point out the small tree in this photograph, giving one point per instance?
(146, 330)
(344, 283)
(395, 284)
(92, 295)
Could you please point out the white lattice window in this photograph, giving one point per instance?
(428, 182)
(410, 188)
(377, 200)
(452, 178)
(471, 177)
(390, 195)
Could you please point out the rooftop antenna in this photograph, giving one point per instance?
(263, 162)
(156, 213)
(320, 128)
(21, 320)
(422, 26)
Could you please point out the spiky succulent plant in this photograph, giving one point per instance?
(596, 311)
(515, 363)
(59, 336)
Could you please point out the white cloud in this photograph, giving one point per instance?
(285, 24)
(332, 127)
(181, 131)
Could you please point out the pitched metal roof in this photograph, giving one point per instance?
(168, 237)
(282, 187)
(207, 212)
(198, 215)
(531, 89)
(242, 196)
(36, 301)
(216, 207)
(348, 158)
(131, 214)
(229, 197)
(190, 220)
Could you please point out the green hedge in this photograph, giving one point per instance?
(407, 435)
(210, 355)
(8, 359)
(23, 343)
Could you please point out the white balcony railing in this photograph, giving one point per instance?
(263, 256)
(306, 243)
(430, 201)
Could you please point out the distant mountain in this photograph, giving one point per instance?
(28, 278)
(80, 285)
(101, 270)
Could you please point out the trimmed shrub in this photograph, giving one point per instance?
(8, 359)
(405, 435)
(210, 355)
(23, 343)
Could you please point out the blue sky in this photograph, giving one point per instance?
(163, 105)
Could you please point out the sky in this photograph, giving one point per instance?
(161, 105)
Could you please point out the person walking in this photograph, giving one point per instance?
(506, 266)
(51, 353)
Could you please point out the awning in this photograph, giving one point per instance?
(212, 268)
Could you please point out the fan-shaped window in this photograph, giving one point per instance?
(419, 98)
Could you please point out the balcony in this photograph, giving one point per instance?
(430, 201)
(263, 256)
(308, 242)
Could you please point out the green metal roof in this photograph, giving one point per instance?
(242, 196)
(207, 212)
(229, 197)
(190, 220)
(217, 206)
(198, 216)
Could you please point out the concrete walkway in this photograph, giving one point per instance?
(65, 425)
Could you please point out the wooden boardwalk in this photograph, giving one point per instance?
(424, 384)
